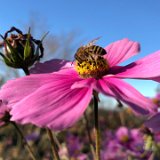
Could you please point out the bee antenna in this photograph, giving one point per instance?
(94, 41)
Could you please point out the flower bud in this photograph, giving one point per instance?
(20, 50)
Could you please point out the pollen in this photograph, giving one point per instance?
(93, 68)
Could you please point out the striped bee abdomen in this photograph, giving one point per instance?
(97, 50)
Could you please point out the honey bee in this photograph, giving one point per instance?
(89, 51)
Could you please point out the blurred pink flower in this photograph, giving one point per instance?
(158, 96)
(124, 142)
(123, 134)
(131, 138)
(57, 100)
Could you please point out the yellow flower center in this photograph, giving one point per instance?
(124, 139)
(95, 68)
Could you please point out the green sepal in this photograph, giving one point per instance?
(2, 54)
(7, 61)
(44, 36)
(13, 55)
(27, 48)
(37, 49)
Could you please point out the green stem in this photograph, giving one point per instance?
(26, 71)
(53, 144)
(26, 145)
(121, 112)
(96, 125)
(89, 136)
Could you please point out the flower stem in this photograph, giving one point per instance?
(26, 145)
(121, 112)
(26, 71)
(96, 125)
(89, 135)
(53, 144)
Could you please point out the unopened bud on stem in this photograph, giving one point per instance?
(21, 50)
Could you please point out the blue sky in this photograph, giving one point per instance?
(138, 20)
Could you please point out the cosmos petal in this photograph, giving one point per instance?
(123, 91)
(145, 68)
(120, 51)
(157, 79)
(54, 105)
(50, 66)
(154, 123)
(15, 90)
(89, 82)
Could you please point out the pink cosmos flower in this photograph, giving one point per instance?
(57, 100)
(124, 142)
(130, 138)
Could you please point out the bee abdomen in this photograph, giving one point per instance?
(98, 50)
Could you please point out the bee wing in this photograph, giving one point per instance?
(92, 42)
